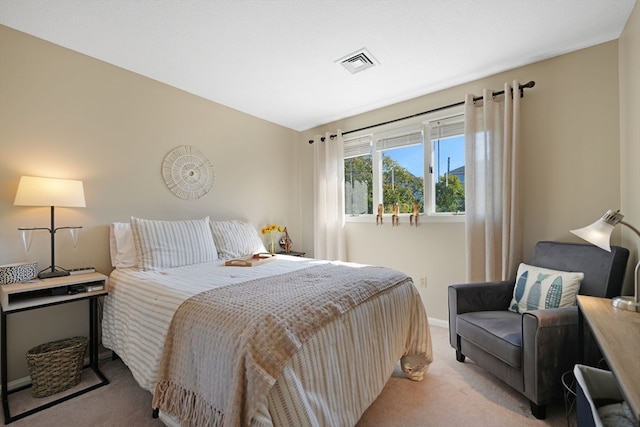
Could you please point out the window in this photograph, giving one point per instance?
(447, 164)
(358, 177)
(400, 164)
(388, 167)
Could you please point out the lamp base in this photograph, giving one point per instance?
(626, 303)
(52, 273)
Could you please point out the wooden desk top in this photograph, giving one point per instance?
(618, 334)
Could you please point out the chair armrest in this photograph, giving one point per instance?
(470, 297)
(480, 296)
(565, 316)
(549, 348)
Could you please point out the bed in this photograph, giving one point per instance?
(324, 373)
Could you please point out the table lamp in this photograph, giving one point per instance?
(36, 191)
(599, 234)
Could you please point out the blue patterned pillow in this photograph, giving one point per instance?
(539, 288)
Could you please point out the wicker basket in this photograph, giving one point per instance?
(56, 366)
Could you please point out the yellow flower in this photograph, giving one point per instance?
(272, 228)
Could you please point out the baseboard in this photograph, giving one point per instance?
(26, 381)
(439, 322)
(19, 383)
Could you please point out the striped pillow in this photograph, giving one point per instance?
(235, 239)
(167, 244)
(539, 288)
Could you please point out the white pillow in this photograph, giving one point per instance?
(540, 288)
(235, 239)
(123, 250)
(167, 244)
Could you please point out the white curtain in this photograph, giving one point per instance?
(493, 218)
(329, 197)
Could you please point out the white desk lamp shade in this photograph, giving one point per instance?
(599, 233)
(35, 191)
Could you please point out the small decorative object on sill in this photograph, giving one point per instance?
(19, 272)
(415, 214)
(395, 218)
(56, 366)
(271, 230)
(379, 216)
(285, 242)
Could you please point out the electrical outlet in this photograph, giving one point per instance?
(423, 281)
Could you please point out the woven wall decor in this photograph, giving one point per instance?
(188, 173)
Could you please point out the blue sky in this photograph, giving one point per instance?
(412, 159)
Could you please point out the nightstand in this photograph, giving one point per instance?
(38, 293)
(292, 253)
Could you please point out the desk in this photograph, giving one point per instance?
(36, 294)
(618, 335)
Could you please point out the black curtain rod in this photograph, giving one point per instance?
(475, 98)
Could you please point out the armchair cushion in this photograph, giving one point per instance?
(476, 297)
(496, 332)
(541, 288)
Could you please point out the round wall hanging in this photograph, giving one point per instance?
(188, 173)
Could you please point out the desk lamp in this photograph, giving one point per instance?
(35, 191)
(599, 234)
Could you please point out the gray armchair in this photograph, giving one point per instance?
(530, 351)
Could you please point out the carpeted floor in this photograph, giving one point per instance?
(455, 394)
(452, 394)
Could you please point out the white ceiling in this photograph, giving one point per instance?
(276, 59)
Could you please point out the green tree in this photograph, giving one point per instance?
(400, 186)
(449, 194)
(358, 174)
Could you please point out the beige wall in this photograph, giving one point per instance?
(571, 159)
(629, 53)
(66, 115)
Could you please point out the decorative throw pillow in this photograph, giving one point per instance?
(539, 288)
(167, 244)
(123, 250)
(235, 239)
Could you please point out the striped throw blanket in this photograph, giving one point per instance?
(226, 347)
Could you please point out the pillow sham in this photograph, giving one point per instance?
(235, 239)
(540, 288)
(167, 244)
(122, 248)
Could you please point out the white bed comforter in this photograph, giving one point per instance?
(330, 382)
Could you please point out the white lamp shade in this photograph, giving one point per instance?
(35, 191)
(599, 233)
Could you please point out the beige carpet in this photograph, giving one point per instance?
(452, 394)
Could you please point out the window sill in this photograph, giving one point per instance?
(404, 218)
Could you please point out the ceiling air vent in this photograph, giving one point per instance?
(358, 61)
